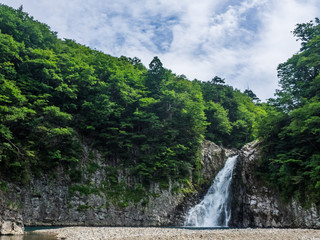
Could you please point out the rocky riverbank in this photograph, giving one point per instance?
(101, 233)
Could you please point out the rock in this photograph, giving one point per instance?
(11, 222)
(49, 202)
(213, 159)
(46, 201)
(11, 228)
(256, 205)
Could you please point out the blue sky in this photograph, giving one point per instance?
(242, 41)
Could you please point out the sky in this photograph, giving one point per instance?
(242, 41)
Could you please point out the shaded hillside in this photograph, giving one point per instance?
(57, 95)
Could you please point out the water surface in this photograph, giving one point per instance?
(29, 236)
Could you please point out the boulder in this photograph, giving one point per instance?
(11, 222)
(11, 228)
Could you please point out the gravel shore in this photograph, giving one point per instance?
(125, 233)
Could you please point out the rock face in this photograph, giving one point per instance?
(256, 205)
(10, 217)
(56, 201)
(56, 206)
(213, 159)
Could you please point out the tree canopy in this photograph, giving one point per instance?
(290, 132)
(58, 96)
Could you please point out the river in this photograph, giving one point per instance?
(30, 235)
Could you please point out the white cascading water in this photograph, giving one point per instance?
(214, 210)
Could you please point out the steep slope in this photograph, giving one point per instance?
(47, 201)
(255, 204)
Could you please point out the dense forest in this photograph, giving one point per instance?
(291, 129)
(58, 97)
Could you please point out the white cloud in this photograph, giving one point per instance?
(275, 44)
(242, 41)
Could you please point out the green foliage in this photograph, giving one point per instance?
(121, 195)
(56, 96)
(119, 192)
(83, 189)
(75, 175)
(233, 116)
(93, 167)
(24, 29)
(291, 129)
(3, 186)
(220, 125)
(84, 207)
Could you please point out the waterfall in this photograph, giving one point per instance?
(214, 210)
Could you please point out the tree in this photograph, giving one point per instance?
(217, 80)
(299, 75)
(252, 95)
(155, 75)
(220, 125)
(290, 132)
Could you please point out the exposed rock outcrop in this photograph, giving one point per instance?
(256, 205)
(54, 205)
(56, 201)
(47, 201)
(10, 216)
(213, 159)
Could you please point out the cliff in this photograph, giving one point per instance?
(257, 205)
(59, 201)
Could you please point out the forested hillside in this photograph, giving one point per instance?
(291, 129)
(57, 95)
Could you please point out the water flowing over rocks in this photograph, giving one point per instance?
(256, 205)
(215, 208)
(214, 158)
